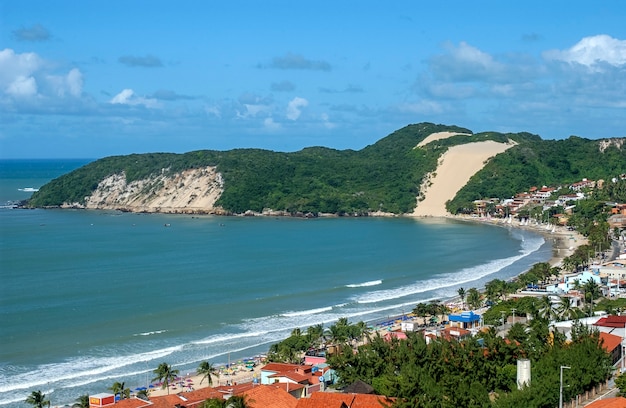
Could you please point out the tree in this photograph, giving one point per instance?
(143, 394)
(37, 399)
(517, 332)
(118, 388)
(206, 370)
(547, 308)
(592, 291)
(238, 401)
(473, 298)
(165, 374)
(461, 293)
(565, 309)
(216, 402)
(81, 402)
(620, 382)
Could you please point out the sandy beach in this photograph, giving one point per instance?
(192, 381)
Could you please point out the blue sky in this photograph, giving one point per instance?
(99, 78)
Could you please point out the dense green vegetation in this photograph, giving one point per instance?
(384, 176)
(477, 372)
(536, 162)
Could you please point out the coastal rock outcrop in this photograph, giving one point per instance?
(191, 191)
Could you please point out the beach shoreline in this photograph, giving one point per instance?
(563, 243)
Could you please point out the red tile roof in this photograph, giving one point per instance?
(130, 403)
(265, 396)
(610, 341)
(293, 376)
(612, 321)
(617, 402)
(337, 400)
(277, 367)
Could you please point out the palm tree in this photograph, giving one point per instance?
(118, 388)
(206, 370)
(592, 291)
(547, 308)
(165, 373)
(37, 399)
(239, 401)
(81, 402)
(461, 293)
(143, 394)
(473, 298)
(315, 333)
(215, 402)
(565, 308)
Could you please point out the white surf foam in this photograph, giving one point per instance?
(364, 284)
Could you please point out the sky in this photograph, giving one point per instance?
(89, 79)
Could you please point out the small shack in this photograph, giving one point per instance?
(101, 400)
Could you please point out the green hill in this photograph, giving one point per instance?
(385, 176)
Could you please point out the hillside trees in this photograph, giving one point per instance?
(450, 373)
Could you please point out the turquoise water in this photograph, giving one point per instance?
(93, 297)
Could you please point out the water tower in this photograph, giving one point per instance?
(523, 373)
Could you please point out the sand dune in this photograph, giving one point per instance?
(439, 135)
(454, 170)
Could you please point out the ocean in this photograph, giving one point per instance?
(89, 298)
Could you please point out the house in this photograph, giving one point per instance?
(583, 184)
(343, 400)
(269, 396)
(465, 320)
(612, 324)
(389, 336)
(613, 345)
(299, 380)
(617, 402)
(569, 281)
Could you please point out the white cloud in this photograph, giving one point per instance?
(326, 121)
(270, 124)
(591, 51)
(294, 108)
(17, 69)
(465, 63)
(22, 87)
(71, 83)
(27, 75)
(128, 97)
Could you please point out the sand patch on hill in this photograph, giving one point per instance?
(190, 191)
(439, 135)
(454, 170)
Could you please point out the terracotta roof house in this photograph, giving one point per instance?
(340, 400)
(617, 402)
(300, 379)
(612, 344)
(266, 396)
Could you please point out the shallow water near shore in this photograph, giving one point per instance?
(93, 297)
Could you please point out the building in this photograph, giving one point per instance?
(464, 320)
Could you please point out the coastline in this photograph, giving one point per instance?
(563, 244)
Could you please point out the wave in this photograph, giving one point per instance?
(28, 189)
(75, 369)
(365, 284)
(443, 281)
(150, 333)
(307, 312)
